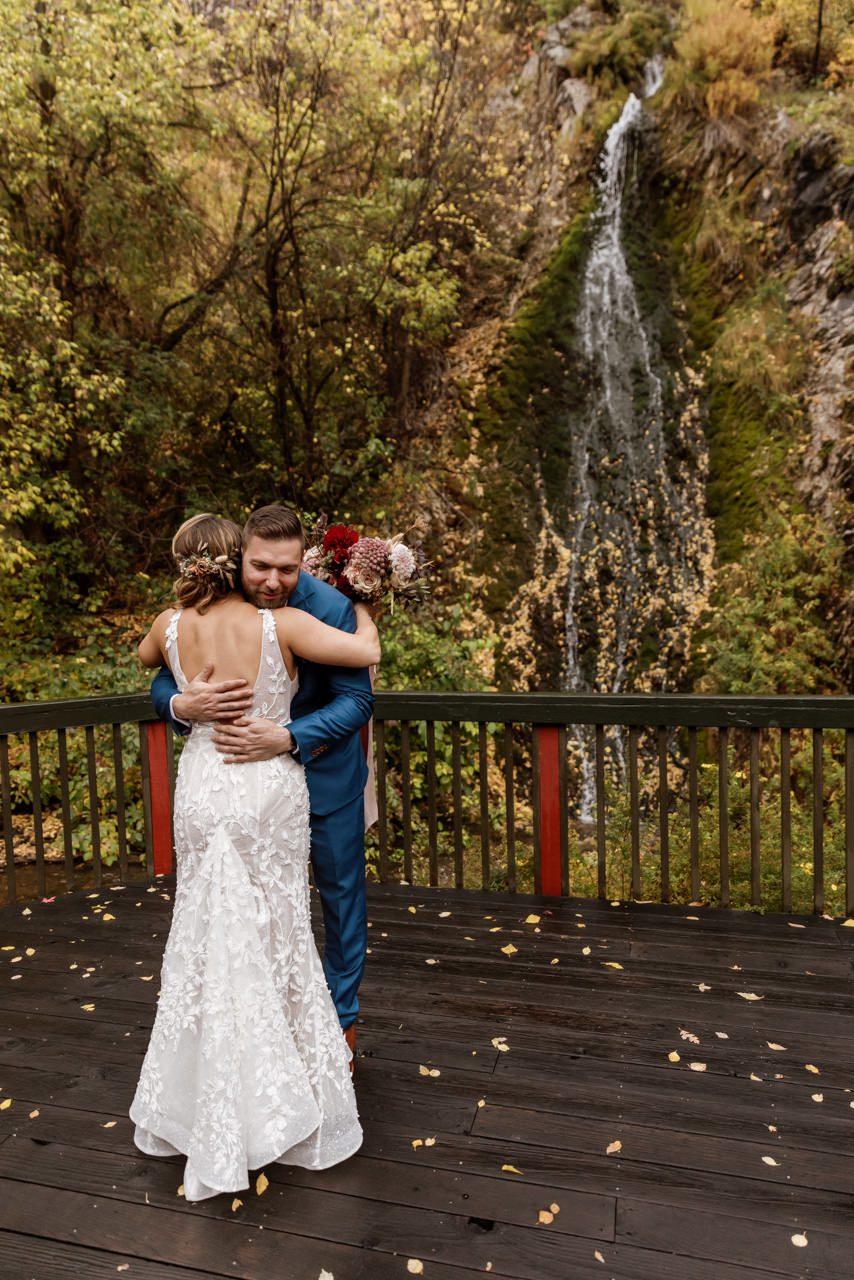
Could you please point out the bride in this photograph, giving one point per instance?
(246, 1063)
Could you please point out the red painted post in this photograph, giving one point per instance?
(161, 809)
(549, 810)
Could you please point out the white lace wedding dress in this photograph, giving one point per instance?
(247, 1063)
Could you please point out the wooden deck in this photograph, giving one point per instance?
(525, 1112)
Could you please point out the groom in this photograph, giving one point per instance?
(329, 709)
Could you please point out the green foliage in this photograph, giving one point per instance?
(615, 53)
(433, 650)
(771, 626)
(521, 422)
(227, 250)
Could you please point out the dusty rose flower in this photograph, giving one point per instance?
(403, 565)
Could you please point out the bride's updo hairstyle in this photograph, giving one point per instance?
(207, 552)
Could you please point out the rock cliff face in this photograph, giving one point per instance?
(546, 512)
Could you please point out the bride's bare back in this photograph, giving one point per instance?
(229, 636)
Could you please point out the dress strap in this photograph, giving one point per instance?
(171, 646)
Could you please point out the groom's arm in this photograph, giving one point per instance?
(351, 706)
(163, 690)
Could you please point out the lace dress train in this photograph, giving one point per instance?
(246, 1064)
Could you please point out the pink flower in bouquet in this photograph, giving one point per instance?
(367, 566)
(312, 561)
(403, 565)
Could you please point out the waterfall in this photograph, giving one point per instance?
(639, 541)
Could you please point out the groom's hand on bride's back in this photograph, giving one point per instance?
(204, 701)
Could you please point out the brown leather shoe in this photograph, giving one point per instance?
(350, 1037)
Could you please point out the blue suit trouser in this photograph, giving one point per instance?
(338, 865)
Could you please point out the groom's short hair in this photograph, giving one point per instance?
(274, 523)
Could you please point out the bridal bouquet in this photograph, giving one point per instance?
(373, 570)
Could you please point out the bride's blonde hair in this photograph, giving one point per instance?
(207, 552)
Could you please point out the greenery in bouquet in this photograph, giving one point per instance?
(377, 571)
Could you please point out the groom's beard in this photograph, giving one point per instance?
(265, 602)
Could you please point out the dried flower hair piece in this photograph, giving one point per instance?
(201, 564)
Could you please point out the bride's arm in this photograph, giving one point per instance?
(151, 648)
(312, 639)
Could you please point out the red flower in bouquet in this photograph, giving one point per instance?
(339, 537)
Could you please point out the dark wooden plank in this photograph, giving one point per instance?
(28, 1258)
(676, 1149)
(392, 1183)
(202, 1236)
(737, 1238)
(210, 1240)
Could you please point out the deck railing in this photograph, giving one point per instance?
(740, 801)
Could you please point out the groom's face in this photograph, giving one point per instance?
(271, 570)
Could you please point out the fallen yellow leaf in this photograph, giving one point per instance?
(701, 986)
(111, 1124)
(809, 1067)
(611, 964)
(613, 1147)
(778, 1048)
(509, 950)
(481, 1102)
(770, 1160)
(555, 1208)
(146, 977)
(30, 951)
(697, 1066)
(596, 1254)
(411, 910)
(87, 1007)
(585, 951)
(416, 1143)
(555, 961)
(180, 1190)
(5, 1104)
(750, 995)
(261, 1184)
(847, 924)
(443, 915)
(415, 1267)
(429, 1142)
(431, 961)
(511, 1168)
(800, 1241)
(236, 1204)
(545, 1217)
(673, 1056)
(757, 1079)
(817, 1097)
(689, 1035)
(33, 1114)
(107, 916)
(793, 925)
(532, 919)
(500, 1043)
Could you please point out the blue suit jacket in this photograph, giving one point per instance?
(331, 705)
